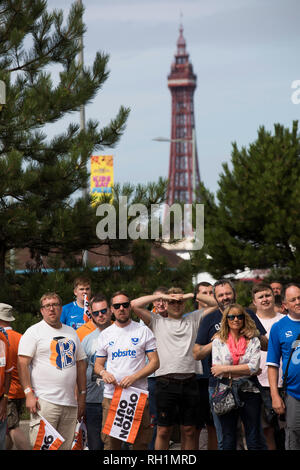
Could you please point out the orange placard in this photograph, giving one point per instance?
(125, 413)
(47, 438)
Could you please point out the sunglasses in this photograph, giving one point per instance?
(103, 311)
(124, 304)
(239, 317)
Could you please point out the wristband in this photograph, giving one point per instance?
(83, 392)
(28, 390)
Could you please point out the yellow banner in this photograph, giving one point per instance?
(102, 174)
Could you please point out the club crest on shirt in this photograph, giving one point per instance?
(62, 353)
(134, 341)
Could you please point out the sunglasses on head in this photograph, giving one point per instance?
(124, 304)
(103, 311)
(241, 316)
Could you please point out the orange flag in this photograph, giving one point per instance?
(86, 311)
(80, 438)
(125, 413)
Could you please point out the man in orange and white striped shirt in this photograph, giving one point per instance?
(16, 396)
(6, 367)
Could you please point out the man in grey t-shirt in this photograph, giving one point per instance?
(176, 386)
(101, 316)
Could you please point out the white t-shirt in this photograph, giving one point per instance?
(175, 341)
(125, 349)
(267, 324)
(54, 353)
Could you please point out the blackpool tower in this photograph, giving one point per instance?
(184, 176)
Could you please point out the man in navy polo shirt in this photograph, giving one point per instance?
(225, 295)
(283, 338)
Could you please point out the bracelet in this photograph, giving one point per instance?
(83, 392)
(28, 390)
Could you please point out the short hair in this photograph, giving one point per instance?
(249, 324)
(222, 282)
(202, 283)
(99, 297)
(119, 292)
(291, 284)
(50, 295)
(81, 280)
(261, 286)
(162, 289)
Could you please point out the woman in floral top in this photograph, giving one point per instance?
(236, 357)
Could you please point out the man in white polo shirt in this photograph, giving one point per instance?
(121, 360)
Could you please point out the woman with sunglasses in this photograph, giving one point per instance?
(236, 357)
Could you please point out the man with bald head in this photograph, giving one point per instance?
(283, 343)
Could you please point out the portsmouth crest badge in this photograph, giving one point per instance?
(134, 341)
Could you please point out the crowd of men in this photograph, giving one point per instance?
(65, 368)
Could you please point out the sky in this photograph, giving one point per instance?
(245, 54)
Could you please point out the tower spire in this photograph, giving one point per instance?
(181, 45)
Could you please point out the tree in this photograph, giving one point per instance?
(254, 219)
(38, 176)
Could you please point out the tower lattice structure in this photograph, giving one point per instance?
(182, 83)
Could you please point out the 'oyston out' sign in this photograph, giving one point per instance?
(125, 413)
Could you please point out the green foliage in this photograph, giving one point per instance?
(243, 293)
(253, 221)
(23, 291)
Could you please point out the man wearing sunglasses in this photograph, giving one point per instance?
(101, 319)
(121, 360)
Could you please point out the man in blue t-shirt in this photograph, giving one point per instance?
(225, 295)
(72, 313)
(283, 339)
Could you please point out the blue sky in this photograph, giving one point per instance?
(245, 54)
